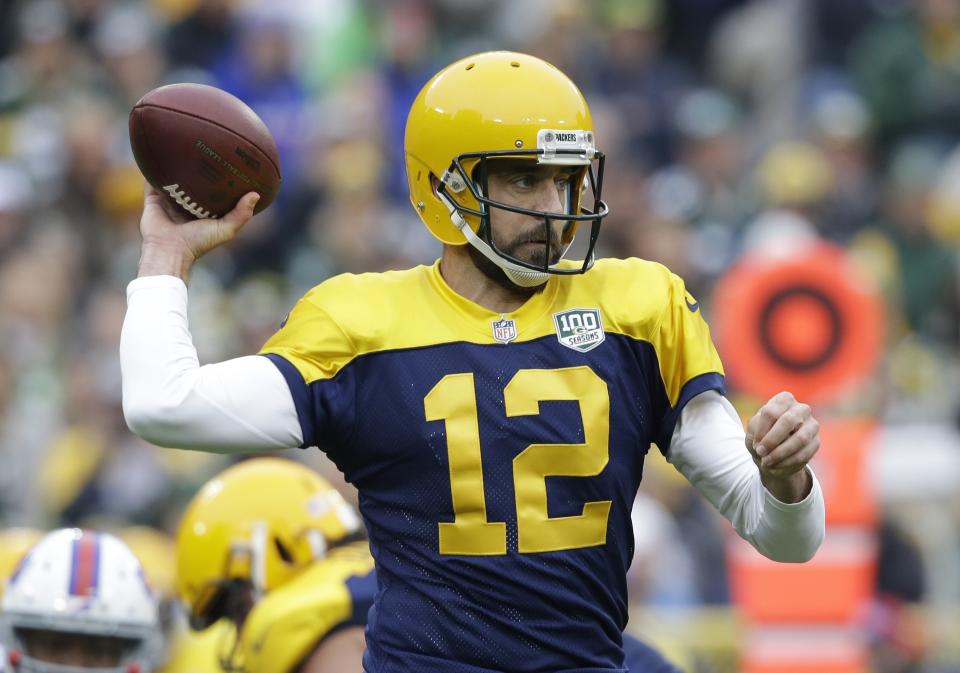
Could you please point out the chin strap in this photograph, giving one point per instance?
(517, 274)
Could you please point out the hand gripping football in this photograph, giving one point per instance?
(203, 147)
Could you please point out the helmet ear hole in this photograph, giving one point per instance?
(283, 551)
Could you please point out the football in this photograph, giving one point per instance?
(203, 147)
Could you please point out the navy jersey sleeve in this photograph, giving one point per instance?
(311, 350)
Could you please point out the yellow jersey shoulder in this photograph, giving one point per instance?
(346, 316)
(632, 294)
(366, 306)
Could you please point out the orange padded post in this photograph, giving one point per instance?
(833, 587)
(841, 467)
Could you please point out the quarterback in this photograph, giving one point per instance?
(494, 408)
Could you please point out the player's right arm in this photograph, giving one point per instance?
(168, 398)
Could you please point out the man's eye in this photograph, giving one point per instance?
(524, 181)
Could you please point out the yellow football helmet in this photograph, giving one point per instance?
(14, 543)
(253, 527)
(500, 105)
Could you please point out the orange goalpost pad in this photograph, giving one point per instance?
(834, 587)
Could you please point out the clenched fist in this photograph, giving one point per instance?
(782, 437)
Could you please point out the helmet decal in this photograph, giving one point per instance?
(85, 566)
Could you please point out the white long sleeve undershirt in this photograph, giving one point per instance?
(245, 405)
(170, 400)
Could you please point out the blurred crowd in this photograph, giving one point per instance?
(728, 125)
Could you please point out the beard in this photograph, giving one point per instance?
(552, 252)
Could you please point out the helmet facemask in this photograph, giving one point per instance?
(99, 652)
(467, 177)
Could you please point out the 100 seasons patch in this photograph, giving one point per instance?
(579, 328)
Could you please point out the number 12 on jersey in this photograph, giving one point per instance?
(454, 401)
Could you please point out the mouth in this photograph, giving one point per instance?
(531, 250)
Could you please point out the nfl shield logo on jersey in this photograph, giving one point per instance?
(579, 328)
(504, 330)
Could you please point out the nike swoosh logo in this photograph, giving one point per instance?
(693, 307)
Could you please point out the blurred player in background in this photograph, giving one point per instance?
(78, 601)
(273, 558)
(493, 409)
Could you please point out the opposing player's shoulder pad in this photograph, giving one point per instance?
(287, 624)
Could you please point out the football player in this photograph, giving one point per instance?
(494, 408)
(78, 602)
(271, 556)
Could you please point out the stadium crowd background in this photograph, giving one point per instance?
(727, 124)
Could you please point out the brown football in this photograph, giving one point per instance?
(204, 147)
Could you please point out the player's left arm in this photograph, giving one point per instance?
(766, 490)
(777, 508)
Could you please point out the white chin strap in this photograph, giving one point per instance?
(516, 274)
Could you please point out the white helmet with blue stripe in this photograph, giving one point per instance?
(78, 603)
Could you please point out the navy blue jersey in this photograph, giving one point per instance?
(497, 456)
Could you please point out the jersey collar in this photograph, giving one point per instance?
(480, 319)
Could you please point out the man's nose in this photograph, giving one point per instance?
(548, 198)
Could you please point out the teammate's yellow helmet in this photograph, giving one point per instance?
(256, 524)
(14, 543)
(499, 105)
